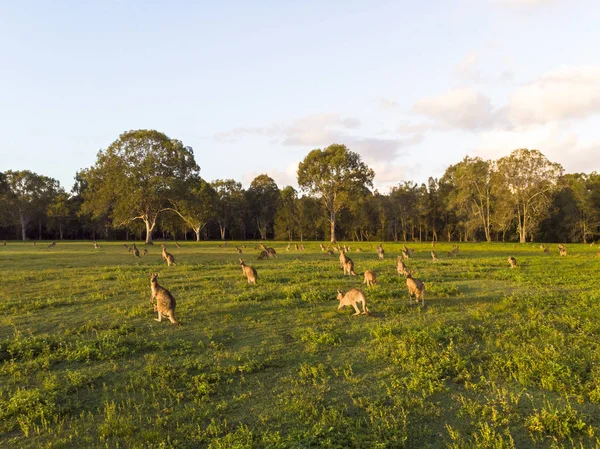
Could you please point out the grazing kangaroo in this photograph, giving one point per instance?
(329, 253)
(349, 267)
(145, 252)
(512, 261)
(416, 288)
(249, 272)
(239, 250)
(400, 267)
(165, 302)
(263, 255)
(52, 244)
(370, 278)
(167, 256)
(454, 251)
(434, 256)
(96, 246)
(352, 298)
(358, 250)
(270, 251)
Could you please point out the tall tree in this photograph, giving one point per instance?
(59, 211)
(528, 179)
(197, 206)
(28, 196)
(263, 200)
(230, 203)
(137, 177)
(473, 183)
(286, 220)
(332, 175)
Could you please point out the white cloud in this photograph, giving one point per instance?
(459, 108)
(468, 67)
(565, 93)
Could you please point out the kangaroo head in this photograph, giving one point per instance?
(242, 262)
(340, 295)
(153, 277)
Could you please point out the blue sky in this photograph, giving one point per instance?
(254, 86)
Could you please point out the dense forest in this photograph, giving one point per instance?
(146, 184)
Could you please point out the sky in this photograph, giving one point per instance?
(253, 87)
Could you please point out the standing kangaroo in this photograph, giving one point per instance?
(249, 272)
(167, 256)
(400, 267)
(512, 262)
(434, 256)
(352, 298)
(349, 267)
(370, 278)
(165, 302)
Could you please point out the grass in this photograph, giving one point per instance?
(498, 358)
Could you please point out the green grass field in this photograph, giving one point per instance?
(497, 358)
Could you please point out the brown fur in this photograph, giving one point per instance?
(249, 272)
(263, 255)
(343, 258)
(400, 267)
(353, 297)
(434, 256)
(270, 251)
(416, 288)
(563, 251)
(512, 261)
(167, 256)
(349, 267)
(165, 302)
(370, 278)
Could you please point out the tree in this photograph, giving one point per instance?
(263, 200)
(286, 220)
(59, 211)
(230, 203)
(333, 175)
(472, 180)
(137, 177)
(197, 206)
(28, 196)
(527, 180)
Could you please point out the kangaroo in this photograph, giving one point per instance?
(124, 245)
(167, 256)
(454, 251)
(563, 251)
(434, 256)
(405, 254)
(165, 302)
(349, 267)
(359, 250)
(52, 245)
(370, 278)
(301, 246)
(145, 252)
(416, 288)
(270, 251)
(322, 247)
(400, 267)
(296, 247)
(177, 245)
(342, 258)
(96, 246)
(287, 248)
(353, 297)
(239, 250)
(263, 255)
(136, 252)
(380, 252)
(329, 253)
(512, 261)
(4, 243)
(249, 272)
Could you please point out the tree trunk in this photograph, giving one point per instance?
(23, 228)
(332, 220)
(149, 228)
(222, 231)
(60, 230)
(197, 232)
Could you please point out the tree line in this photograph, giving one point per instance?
(146, 184)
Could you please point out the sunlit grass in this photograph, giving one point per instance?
(499, 357)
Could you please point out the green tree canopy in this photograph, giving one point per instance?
(137, 177)
(333, 175)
